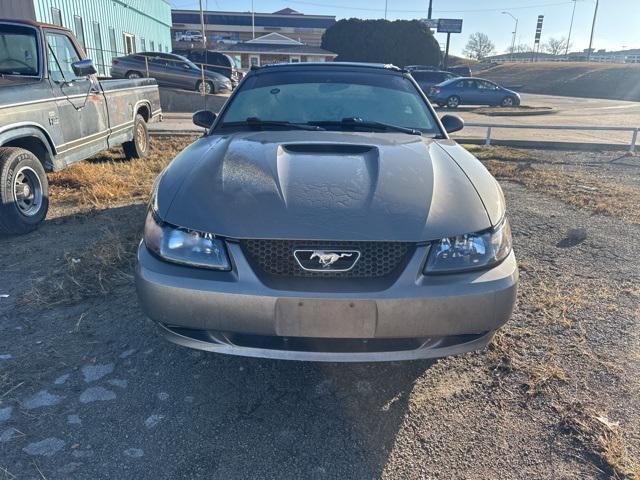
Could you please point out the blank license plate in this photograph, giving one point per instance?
(326, 318)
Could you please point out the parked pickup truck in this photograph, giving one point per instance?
(55, 112)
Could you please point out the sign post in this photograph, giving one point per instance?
(448, 26)
(536, 44)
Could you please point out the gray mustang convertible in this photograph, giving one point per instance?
(326, 215)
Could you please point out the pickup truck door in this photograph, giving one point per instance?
(81, 103)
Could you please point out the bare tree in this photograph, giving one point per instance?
(556, 46)
(520, 48)
(479, 46)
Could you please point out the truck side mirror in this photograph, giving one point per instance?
(204, 118)
(83, 68)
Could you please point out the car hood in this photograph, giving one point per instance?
(320, 186)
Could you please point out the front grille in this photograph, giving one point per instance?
(377, 259)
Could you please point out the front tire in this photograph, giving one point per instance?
(134, 75)
(205, 87)
(139, 146)
(453, 101)
(507, 102)
(24, 191)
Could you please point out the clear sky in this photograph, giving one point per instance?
(618, 22)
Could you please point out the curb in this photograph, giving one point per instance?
(544, 145)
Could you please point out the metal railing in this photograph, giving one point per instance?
(490, 127)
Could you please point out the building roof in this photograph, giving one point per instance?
(274, 38)
(275, 48)
(281, 18)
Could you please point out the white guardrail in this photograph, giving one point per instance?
(491, 126)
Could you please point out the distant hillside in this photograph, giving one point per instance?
(574, 79)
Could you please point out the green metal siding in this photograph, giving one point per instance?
(145, 19)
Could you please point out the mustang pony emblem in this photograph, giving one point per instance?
(328, 259)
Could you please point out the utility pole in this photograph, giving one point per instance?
(204, 37)
(566, 51)
(593, 27)
(430, 11)
(385, 8)
(515, 32)
(253, 21)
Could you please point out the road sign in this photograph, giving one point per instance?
(430, 22)
(449, 25)
(539, 28)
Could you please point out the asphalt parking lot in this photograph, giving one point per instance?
(87, 389)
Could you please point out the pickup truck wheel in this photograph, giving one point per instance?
(24, 191)
(133, 75)
(139, 146)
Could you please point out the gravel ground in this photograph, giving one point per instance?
(88, 391)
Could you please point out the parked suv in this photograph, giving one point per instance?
(428, 78)
(190, 36)
(213, 62)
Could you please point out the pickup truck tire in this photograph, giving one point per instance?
(139, 146)
(24, 191)
(132, 75)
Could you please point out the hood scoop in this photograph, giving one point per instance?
(327, 148)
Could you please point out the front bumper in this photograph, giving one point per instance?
(416, 317)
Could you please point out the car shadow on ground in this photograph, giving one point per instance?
(157, 410)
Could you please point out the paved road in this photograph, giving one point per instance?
(570, 111)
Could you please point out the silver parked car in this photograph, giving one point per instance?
(326, 215)
(170, 70)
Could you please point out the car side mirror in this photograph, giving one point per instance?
(204, 118)
(452, 123)
(83, 68)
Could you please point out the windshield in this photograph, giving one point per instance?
(18, 51)
(317, 96)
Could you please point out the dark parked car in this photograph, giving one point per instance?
(55, 112)
(472, 91)
(326, 215)
(460, 70)
(213, 62)
(428, 78)
(169, 70)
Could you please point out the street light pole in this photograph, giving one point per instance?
(515, 32)
(593, 27)
(253, 21)
(566, 51)
(385, 8)
(430, 11)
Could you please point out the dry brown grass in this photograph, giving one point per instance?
(602, 438)
(93, 271)
(108, 179)
(583, 190)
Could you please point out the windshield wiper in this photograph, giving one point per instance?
(359, 122)
(256, 122)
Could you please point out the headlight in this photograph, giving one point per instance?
(470, 252)
(183, 246)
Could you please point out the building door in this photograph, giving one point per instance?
(129, 43)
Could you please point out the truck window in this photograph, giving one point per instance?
(62, 54)
(18, 51)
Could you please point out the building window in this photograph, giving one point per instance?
(97, 38)
(254, 60)
(112, 42)
(153, 46)
(77, 22)
(295, 59)
(129, 43)
(56, 16)
(166, 49)
(143, 44)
